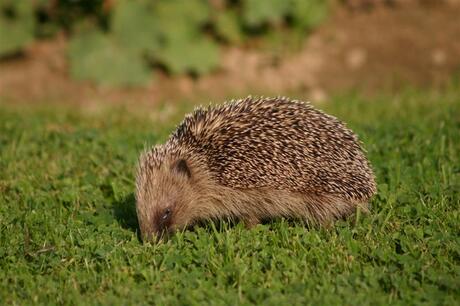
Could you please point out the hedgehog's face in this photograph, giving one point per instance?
(164, 192)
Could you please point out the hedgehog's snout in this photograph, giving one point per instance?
(156, 233)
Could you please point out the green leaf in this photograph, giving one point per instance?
(99, 58)
(16, 25)
(184, 48)
(181, 20)
(257, 12)
(194, 12)
(308, 13)
(134, 26)
(228, 26)
(199, 55)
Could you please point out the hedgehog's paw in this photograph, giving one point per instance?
(250, 221)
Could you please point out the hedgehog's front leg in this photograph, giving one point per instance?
(250, 221)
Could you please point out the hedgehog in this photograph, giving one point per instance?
(252, 160)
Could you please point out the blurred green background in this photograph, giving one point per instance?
(125, 50)
(121, 42)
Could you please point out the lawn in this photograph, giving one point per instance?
(68, 229)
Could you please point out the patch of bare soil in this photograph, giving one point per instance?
(364, 45)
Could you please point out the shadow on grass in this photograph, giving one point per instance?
(125, 213)
(225, 224)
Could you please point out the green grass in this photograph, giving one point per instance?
(68, 225)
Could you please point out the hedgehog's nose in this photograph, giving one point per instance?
(160, 235)
(148, 236)
(155, 234)
(151, 234)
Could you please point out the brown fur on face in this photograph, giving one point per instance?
(253, 159)
(164, 189)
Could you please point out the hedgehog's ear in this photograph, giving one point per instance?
(182, 167)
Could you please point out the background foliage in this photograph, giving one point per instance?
(118, 42)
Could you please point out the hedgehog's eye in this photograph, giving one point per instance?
(182, 167)
(163, 221)
(166, 214)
